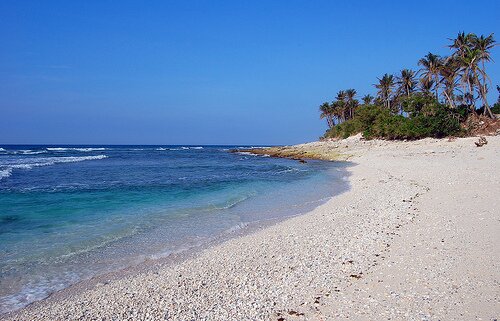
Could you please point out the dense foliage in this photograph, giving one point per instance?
(432, 102)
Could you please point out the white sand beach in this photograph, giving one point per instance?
(417, 237)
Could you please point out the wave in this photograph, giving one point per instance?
(30, 152)
(247, 153)
(78, 149)
(23, 151)
(178, 148)
(5, 173)
(46, 161)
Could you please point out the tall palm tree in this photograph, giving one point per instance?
(406, 81)
(341, 105)
(351, 102)
(426, 85)
(467, 57)
(469, 79)
(483, 45)
(431, 64)
(367, 99)
(449, 73)
(338, 110)
(461, 43)
(385, 88)
(326, 112)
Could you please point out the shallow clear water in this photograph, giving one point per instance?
(68, 213)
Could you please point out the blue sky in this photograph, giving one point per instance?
(207, 72)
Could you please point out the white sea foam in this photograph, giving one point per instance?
(6, 171)
(2, 150)
(57, 149)
(86, 149)
(30, 152)
(90, 149)
(179, 148)
(247, 153)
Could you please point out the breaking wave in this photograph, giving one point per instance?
(6, 169)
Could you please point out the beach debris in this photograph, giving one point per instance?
(481, 141)
(292, 312)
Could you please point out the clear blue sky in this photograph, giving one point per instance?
(207, 72)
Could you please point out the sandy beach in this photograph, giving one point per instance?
(417, 237)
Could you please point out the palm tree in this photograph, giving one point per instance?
(483, 45)
(341, 105)
(467, 57)
(426, 85)
(327, 112)
(449, 72)
(385, 88)
(406, 81)
(352, 103)
(469, 74)
(367, 99)
(431, 64)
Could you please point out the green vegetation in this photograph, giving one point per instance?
(436, 101)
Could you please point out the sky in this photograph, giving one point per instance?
(208, 72)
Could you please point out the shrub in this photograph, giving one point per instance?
(426, 117)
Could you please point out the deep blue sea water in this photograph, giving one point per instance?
(68, 213)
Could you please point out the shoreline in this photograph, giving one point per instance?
(158, 261)
(348, 258)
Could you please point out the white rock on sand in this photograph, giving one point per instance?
(416, 238)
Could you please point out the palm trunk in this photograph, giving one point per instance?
(449, 100)
(471, 96)
(483, 94)
(485, 101)
(436, 87)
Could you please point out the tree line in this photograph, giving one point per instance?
(458, 82)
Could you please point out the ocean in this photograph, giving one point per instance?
(68, 213)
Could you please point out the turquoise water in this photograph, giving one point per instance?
(68, 213)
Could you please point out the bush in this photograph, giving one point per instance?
(426, 118)
(496, 108)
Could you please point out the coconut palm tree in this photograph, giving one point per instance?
(352, 103)
(327, 112)
(406, 81)
(449, 73)
(341, 105)
(385, 88)
(426, 85)
(467, 56)
(338, 111)
(483, 45)
(431, 64)
(469, 79)
(367, 99)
